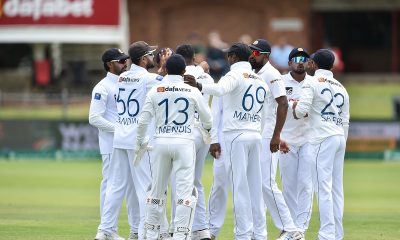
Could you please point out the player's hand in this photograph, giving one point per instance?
(205, 66)
(164, 54)
(284, 147)
(215, 150)
(190, 80)
(274, 144)
(294, 112)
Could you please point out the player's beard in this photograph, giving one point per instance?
(149, 65)
(299, 70)
(255, 65)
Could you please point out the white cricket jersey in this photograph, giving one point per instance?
(276, 87)
(201, 77)
(103, 111)
(244, 93)
(173, 104)
(327, 103)
(294, 132)
(218, 124)
(131, 93)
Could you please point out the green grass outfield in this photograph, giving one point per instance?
(59, 200)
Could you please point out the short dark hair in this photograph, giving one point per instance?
(106, 67)
(240, 50)
(175, 64)
(324, 59)
(187, 52)
(135, 61)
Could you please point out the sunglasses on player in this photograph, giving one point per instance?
(257, 53)
(151, 54)
(121, 61)
(299, 59)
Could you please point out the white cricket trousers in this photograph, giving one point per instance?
(297, 183)
(218, 194)
(174, 156)
(200, 217)
(329, 158)
(121, 174)
(243, 160)
(273, 197)
(131, 203)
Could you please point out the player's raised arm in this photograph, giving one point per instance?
(226, 84)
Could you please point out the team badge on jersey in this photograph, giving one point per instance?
(289, 91)
(97, 96)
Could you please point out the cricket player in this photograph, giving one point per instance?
(103, 115)
(173, 105)
(200, 227)
(326, 102)
(132, 88)
(244, 93)
(219, 189)
(277, 106)
(296, 165)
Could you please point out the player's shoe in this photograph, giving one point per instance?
(213, 237)
(133, 236)
(101, 235)
(291, 236)
(201, 235)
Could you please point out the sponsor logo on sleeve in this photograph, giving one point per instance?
(97, 96)
(275, 80)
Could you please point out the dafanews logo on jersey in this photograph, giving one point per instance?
(128, 79)
(37, 9)
(250, 76)
(173, 89)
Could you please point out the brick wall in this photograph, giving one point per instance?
(169, 23)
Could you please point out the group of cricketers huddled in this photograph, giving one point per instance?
(156, 130)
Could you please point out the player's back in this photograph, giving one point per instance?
(244, 106)
(174, 104)
(330, 107)
(130, 98)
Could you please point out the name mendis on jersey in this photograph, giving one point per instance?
(336, 120)
(174, 129)
(246, 117)
(127, 120)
